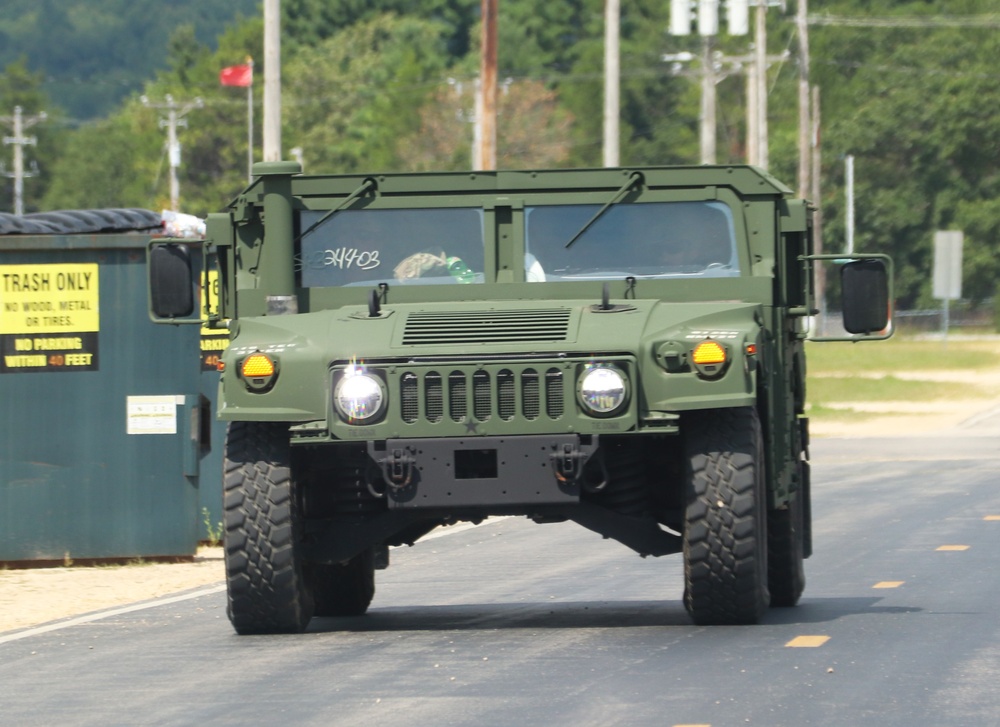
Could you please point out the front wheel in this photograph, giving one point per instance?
(264, 570)
(725, 529)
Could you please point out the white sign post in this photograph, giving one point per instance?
(947, 269)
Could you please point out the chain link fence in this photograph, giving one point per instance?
(962, 316)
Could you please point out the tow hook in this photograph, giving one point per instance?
(568, 461)
(397, 468)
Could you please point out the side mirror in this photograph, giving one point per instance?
(865, 290)
(171, 281)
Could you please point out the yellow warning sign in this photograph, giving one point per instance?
(213, 340)
(51, 298)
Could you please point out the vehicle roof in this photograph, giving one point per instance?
(745, 180)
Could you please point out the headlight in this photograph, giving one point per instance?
(359, 397)
(603, 390)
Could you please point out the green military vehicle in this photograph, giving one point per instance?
(622, 348)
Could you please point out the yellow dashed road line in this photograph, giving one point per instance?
(807, 642)
(953, 547)
(888, 584)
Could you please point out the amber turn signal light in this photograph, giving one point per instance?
(258, 371)
(708, 353)
(256, 365)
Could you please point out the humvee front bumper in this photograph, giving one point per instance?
(483, 471)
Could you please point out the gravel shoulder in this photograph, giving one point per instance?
(32, 597)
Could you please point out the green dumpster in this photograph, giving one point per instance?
(101, 412)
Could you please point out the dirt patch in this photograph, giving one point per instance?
(32, 597)
(911, 418)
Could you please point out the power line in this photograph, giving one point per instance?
(907, 70)
(940, 21)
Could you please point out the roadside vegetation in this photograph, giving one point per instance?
(858, 381)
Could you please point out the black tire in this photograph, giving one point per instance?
(264, 576)
(344, 589)
(725, 539)
(786, 575)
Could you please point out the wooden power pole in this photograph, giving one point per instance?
(488, 88)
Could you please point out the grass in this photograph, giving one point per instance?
(214, 532)
(819, 412)
(902, 354)
(873, 372)
(887, 388)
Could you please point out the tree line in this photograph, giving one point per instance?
(388, 85)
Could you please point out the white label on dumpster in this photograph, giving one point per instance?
(152, 414)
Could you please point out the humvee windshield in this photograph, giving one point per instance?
(447, 245)
(657, 239)
(361, 247)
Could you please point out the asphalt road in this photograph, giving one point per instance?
(512, 623)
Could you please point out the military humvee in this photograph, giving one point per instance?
(621, 348)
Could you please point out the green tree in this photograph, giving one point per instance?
(532, 129)
(101, 165)
(921, 126)
(94, 53)
(563, 43)
(133, 160)
(307, 23)
(350, 100)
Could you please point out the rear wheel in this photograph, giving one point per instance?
(725, 538)
(264, 571)
(786, 577)
(344, 589)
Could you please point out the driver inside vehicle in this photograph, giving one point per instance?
(421, 264)
(675, 254)
(694, 254)
(433, 264)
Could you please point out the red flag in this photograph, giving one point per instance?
(237, 75)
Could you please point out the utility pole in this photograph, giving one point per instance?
(486, 106)
(708, 105)
(477, 125)
(250, 125)
(804, 124)
(19, 123)
(818, 216)
(849, 192)
(752, 116)
(708, 27)
(272, 80)
(760, 46)
(612, 23)
(175, 117)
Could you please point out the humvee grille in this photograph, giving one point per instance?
(506, 394)
(491, 326)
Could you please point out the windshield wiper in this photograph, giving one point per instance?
(369, 183)
(634, 178)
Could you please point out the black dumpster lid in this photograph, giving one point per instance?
(76, 222)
